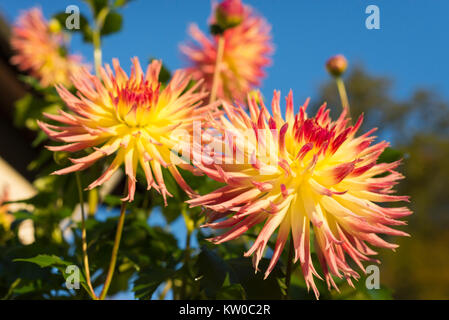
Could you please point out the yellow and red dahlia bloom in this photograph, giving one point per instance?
(246, 53)
(299, 174)
(132, 118)
(41, 51)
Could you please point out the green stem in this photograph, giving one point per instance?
(189, 228)
(343, 96)
(167, 288)
(83, 237)
(216, 78)
(288, 274)
(93, 201)
(112, 263)
(96, 38)
(97, 51)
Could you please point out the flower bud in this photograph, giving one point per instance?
(229, 14)
(337, 65)
(61, 158)
(54, 26)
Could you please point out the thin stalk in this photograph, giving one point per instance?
(96, 38)
(167, 288)
(216, 78)
(288, 274)
(93, 201)
(83, 237)
(190, 226)
(97, 51)
(112, 263)
(343, 95)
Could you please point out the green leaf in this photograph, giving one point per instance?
(232, 292)
(165, 74)
(84, 29)
(113, 23)
(11, 289)
(121, 3)
(255, 286)
(44, 260)
(149, 279)
(390, 155)
(42, 199)
(112, 200)
(27, 110)
(32, 82)
(97, 5)
(218, 277)
(212, 271)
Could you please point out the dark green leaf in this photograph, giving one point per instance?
(231, 291)
(254, 284)
(215, 274)
(97, 5)
(121, 3)
(113, 23)
(212, 271)
(44, 260)
(28, 109)
(84, 29)
(390, 155)
(148, 280)
(165, 74)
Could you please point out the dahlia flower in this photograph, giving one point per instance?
(246, 50)
(297, 175)
(42, 51)
(130, 117)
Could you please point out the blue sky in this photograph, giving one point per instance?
(411, 46)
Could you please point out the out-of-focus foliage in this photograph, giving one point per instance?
(418, 127)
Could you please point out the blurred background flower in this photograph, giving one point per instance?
(41, 49)
(245, 54)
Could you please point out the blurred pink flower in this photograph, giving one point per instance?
(42, 51)
(246, 52)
